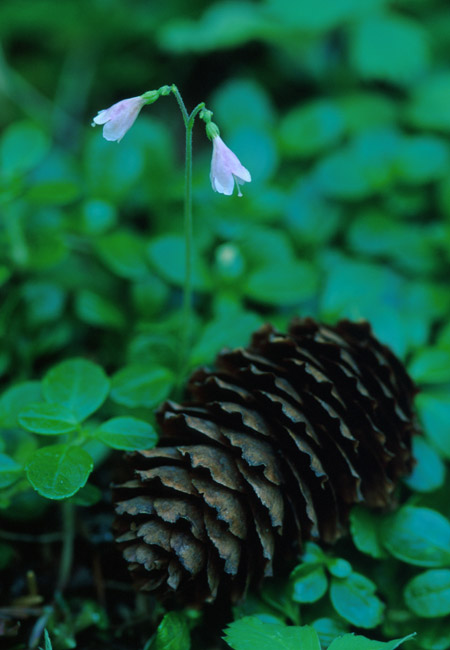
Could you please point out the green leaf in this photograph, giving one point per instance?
(87, 496)
(364, 526)
(123, 252)
(429, 471)
(172, 633)
(96, 310)
(309, 583)
(224, 332)
(22, 146)
(356, 642)
(308, 129)
(49, 419)
(45, 302)
(167, 254)
(431, 366)
(428, 594)
(15, 399)
(235, 93)
(250, 632)
(127, 433)
(97, 216)
(328, 629)
(78, 384)
(434, 411)
(53, 192)
(354, 599)
(339, 567)
(58, 471)
(9, 470)
(418, 536)
(137, 385)
(433, 634)
(430, 102)
(404, 55)
(6, 555)
(48, 643)
(422, 159)
(283, 283)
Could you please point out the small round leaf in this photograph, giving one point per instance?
(354, 599)
(9, 470)
(419, 536)
(127, 433)
(428, 594)
(80, 385)
(309, 583)
(137, 385)
(49, 419)
(58, 471)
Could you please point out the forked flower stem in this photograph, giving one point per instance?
(187, 311)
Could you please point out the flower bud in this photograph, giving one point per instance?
(150, 96)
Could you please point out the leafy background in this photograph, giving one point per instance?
(341, 110)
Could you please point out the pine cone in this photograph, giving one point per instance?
(274, 447)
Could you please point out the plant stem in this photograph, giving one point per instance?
(65, 564)
(188, 120)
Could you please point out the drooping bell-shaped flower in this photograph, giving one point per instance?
(119, 118)
(226, 169)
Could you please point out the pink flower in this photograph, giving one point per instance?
(226, 170)
(119, 118)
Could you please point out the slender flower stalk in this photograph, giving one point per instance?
(226, 172)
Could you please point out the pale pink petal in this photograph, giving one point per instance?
(119, 118)
(226, 169)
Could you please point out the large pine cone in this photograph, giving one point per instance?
(274, 447)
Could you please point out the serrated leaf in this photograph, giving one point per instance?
(419, 536)
(354, 599)
(127, 433)
(137, 385)
(250, 632)
(48, 419)
(364, 526)
(9, 470)
(78, 384)
(356, 642)
(428, 594)
(309, 583)
(58, 471)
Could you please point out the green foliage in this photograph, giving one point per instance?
(57, 472)
(172, 634)
(253, 632)
(418, 536)
(341, 111)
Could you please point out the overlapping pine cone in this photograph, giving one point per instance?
(274, 446)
